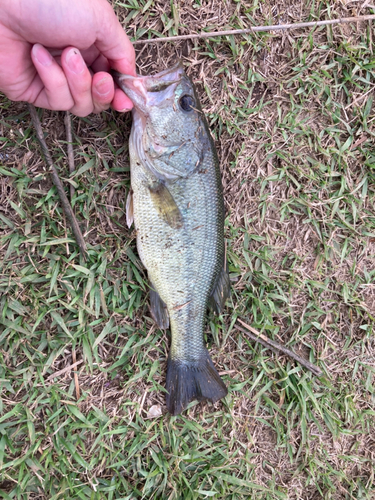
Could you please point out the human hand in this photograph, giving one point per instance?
(56, 54)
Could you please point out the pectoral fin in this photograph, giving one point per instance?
(158, 309)
(165, 205)
(220, 291)
(129, 209)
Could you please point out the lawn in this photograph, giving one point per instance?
(293, 118)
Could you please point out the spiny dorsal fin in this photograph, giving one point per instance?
(165, 205)
(220, 291)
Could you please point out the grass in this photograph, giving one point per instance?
(293, 116)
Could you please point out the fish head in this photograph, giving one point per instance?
(168, 117)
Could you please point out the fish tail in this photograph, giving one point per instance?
(187, 381)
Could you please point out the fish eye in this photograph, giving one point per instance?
(187, 102)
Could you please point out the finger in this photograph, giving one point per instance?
(103, 91)
(113, 43)
(55, 93)
(55, 53)
(100, 64)
(121, 102)
(90, 55)
(79, 81)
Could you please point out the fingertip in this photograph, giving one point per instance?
(121, 102)
(103, 88)
(41, 56)
(73, 62)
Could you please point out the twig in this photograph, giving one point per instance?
(255, 29)
(276, 347)
(64, 370)
(69, 140)
(56, 180)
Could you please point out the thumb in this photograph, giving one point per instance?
(112, 41)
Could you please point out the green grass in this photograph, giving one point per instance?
(293, 116)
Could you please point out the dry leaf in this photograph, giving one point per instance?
(154, 411)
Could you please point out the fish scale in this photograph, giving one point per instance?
(174, 267)
(178, 213)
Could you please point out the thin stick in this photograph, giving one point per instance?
(255, 29)
(69, 140)
(276, 347)
(64, 370)
(56, 180)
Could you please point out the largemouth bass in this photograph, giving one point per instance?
(178, 211)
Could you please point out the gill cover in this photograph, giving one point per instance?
(167, 130)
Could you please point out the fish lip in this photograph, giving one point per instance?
(121, 78)
(143, 90)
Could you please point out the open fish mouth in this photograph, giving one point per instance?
(146, 91)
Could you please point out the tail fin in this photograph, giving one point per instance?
(187, 381)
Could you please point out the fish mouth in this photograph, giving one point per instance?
(152, 90)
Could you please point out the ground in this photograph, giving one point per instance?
(293, 119)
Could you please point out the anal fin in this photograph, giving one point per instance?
(165, 205)
(158, 309)
(221, 290)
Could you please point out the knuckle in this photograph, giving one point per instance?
(81, 111)
(18, 94)
(101, 107)
(80, 84)
(60, 101)
(15, 97)
(59, 97)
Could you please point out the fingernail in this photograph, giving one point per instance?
(75, 62)
(104, 86)
(125, 110)
(42, 55)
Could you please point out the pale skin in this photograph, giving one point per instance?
(56, 54)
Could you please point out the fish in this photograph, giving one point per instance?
(177, 206)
